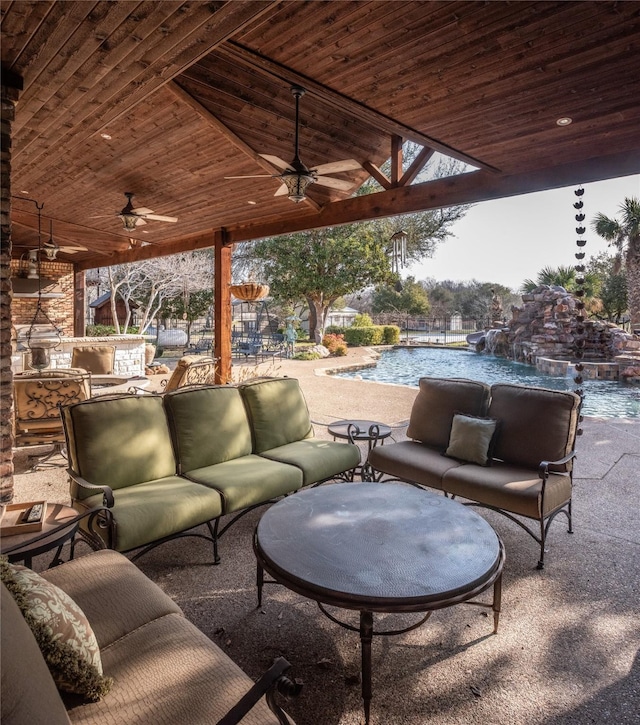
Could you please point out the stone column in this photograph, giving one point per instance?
(11, 87)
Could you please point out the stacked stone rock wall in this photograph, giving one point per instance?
(545, 327)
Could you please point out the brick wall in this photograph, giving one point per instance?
(58, 310)
(8, 98)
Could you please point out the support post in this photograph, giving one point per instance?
(222, 307)
(79, 312)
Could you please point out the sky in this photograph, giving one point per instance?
(509, 240)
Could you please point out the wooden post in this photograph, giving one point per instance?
(79, 316)
(222, 307)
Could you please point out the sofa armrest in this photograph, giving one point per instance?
(271, 681)
(543, 468)
(107, 493)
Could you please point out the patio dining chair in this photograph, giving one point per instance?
(37, 400)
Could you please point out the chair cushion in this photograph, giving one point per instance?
(412, 461)
(511, 488)
(535, 424)
(96, 359)
(133, 429)
(248, 481)
(155, 509)
(61, 629)
(318, 459)
(472, 439)
(277, 411)
(209, 425)
(113, 593)
(436, 403)
(169, 672)
(29, 694)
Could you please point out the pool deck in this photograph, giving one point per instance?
(568, 648)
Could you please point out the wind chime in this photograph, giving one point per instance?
(579, 342)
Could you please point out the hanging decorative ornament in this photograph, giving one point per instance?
(579, 342)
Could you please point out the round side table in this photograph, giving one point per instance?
(369, 431)
(23, 547)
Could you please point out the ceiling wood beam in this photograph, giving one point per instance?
(470, 188)
(265, 66)
(416, 166)
(396, 159)
(377, 174)
(182, 95)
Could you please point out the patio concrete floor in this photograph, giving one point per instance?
(567, 651)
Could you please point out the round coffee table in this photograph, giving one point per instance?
(379, 547)
(23, 547)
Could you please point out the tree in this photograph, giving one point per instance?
(151, 283)
(613, 285)
(624, 235)
(411, 300)
(321, 266)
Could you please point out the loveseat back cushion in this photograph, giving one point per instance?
(209, 425)
(437, 402)
(119, 441)
(536, 424)
(277, 411)
(29, 694)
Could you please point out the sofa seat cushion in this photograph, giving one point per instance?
(114, 594)
(248, 481)
(507, 487)
(412, 461)
(318, 459)
(150, 511)
(167, 671)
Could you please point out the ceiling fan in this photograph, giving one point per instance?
(132, 218)
(296, 177)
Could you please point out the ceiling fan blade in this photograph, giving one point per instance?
(277, 162)
(142, 211)
(282, 190)
(140, 221)
(334, 183)
(73, 250)
(159, 218)
(333, 167)
(253, 176)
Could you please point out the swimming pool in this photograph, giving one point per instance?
(605, 399)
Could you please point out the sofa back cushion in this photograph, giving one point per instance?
(536, 424)
(437, 402)
(277, 412)
(29, 694)
(119, 441)
(209, 425)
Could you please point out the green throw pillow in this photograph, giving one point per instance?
(61, 629)
(471, 439)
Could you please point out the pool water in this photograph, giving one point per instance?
(604, 399)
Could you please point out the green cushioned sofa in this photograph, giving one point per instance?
(529, 468)
(166, 464)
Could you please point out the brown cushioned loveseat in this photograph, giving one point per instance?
(528, 468)
(166, 464)
(164, 669)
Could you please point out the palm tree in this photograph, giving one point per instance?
(624, 234)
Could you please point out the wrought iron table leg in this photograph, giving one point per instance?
(366, 635)
(497, 601)
(259, 583)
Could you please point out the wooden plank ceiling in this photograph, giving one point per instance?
(165, 99)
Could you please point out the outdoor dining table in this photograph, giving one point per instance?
(378, 547)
